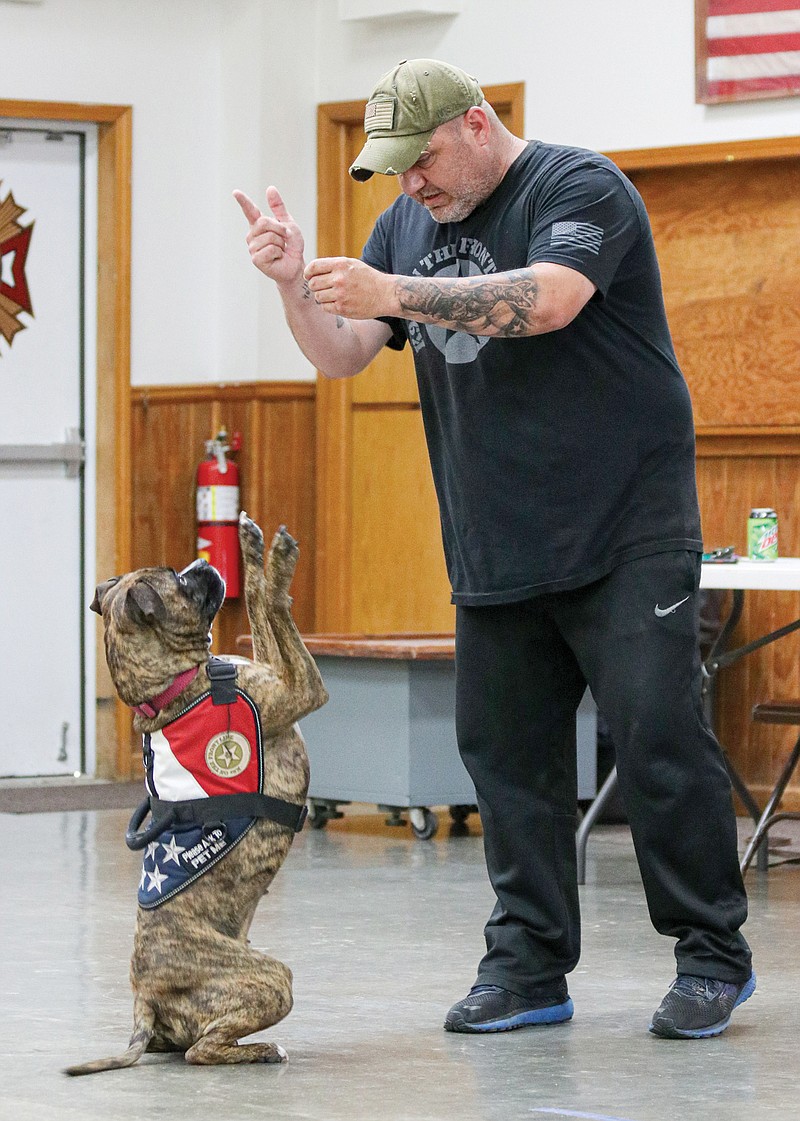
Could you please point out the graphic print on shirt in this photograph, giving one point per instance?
(466, 257)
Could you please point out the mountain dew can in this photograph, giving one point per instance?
(762, 535)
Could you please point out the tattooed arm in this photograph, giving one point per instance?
(529, 301)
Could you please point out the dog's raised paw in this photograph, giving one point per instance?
(284, 543)
(251, 539)
(283, 554)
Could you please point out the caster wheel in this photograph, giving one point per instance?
(317, 818)
(424, 823)
(459, 814)
(320, 813)
(395, 815)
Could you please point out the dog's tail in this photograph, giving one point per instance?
(143, 1027)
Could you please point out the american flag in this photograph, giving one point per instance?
(747, 49)
(580, 235)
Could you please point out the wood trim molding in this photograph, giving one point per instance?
(231, 391)
(335, 396)
(113, 514)
(748, 443)
(642, 159)
(63, 111)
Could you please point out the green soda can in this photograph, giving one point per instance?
(762, 535)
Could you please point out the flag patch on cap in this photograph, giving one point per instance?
(582, 235)
(379, 114)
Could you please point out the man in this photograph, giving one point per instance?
(561, 439)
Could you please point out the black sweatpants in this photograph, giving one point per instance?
(521, 670)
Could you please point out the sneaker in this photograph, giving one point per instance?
(490, 1008)
(698, 1007)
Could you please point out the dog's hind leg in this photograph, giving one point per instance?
(217, 1049)
(252, 1003)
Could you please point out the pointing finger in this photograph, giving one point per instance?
(277, 205)
(249, 208)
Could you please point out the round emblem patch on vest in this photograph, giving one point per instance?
(228, 754)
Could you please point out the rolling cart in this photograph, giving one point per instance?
(387, 734)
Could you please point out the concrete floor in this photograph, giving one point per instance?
(383, 933)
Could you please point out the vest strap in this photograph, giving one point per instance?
(222, 807)
(222, 676)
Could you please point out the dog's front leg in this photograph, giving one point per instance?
(276, 640)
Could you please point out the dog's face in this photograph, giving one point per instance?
(157, 624)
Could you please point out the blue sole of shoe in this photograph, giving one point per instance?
(714, 1029)
(556, 1014)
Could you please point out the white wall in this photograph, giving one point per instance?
(268, 106)
(224, 95)
(604, 74)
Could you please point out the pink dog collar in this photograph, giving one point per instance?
(152, 707)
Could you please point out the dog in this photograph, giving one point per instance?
(198, 985)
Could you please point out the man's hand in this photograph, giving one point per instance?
(348, 288)
(274, 240)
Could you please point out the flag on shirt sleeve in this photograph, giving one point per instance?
(747, 49)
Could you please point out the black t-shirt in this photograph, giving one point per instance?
(559, 456)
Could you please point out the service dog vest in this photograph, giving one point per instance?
(212, 750)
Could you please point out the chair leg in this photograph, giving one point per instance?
(750, 804)
(768, 817)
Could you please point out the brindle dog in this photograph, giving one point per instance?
(198, 985)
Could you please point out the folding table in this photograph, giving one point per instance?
(739, 576)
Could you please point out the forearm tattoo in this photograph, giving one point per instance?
(307, 295)
(503, 306)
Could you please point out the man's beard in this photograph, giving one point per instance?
(456, 211)
(477, 189)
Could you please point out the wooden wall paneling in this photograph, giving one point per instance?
(728, 486)
(277, 468)
(168, 439)
(286, 452)
(727, 239)
(394, 507)
(351, 521)
(333, 592)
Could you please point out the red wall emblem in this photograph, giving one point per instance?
(14, 243)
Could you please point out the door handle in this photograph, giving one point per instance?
(72, 453)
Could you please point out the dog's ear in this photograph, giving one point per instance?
(100, 594)
(144, 605)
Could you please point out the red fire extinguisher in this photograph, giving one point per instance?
(218, 510)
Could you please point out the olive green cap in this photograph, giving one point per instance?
(405, 109)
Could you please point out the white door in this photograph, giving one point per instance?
(47, 388)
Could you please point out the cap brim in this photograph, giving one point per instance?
(389, 155)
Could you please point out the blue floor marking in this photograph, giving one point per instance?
(578, 1113)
